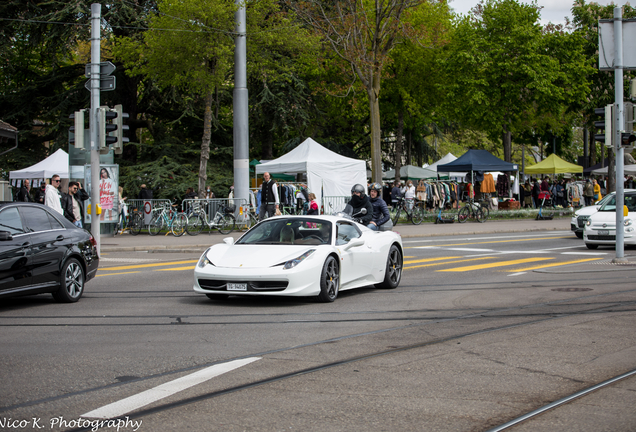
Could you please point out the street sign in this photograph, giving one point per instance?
(106, 83)
(105, 69)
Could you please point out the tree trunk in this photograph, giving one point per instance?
(398, 145)
(593, 160)
(205, 144)
(376, 142)
(507, 145)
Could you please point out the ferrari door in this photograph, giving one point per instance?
(356, 261)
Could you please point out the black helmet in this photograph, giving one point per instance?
(376, 187)
(357, 188)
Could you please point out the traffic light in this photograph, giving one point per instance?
(77, 129)
(111, 128)
(604, 125)
(628, 137)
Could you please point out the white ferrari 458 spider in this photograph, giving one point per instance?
(301, 256)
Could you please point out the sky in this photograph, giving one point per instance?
(553, 10)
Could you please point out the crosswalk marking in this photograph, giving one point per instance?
(553, 265)
(430, 259)
(124, 406)
(148, 265)
(484, 242)
(492, 265)
(447, 262)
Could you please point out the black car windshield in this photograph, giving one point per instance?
(629, 201)
(289, 231)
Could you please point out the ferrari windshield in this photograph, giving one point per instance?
(610, 205)
(289, 231)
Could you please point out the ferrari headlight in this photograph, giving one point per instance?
(203, 261)
(294, 262)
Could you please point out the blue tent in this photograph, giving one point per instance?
(477, 160)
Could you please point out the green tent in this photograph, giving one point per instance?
(553, 165)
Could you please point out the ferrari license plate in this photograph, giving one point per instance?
(237, 287)
(603, 232)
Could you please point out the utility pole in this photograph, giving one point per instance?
(96, 12)
(618, 131)
(241, 119)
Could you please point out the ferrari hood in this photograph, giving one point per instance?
(254, 256)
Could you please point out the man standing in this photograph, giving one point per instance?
(52, 195)
(144, 193)
(25, 192)
(269, 197)
(588, 192)
(74, 205)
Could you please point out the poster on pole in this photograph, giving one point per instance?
(108, 192)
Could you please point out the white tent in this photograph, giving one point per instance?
(328, 173)
(447, 159)
(57, 163)
(627, 170)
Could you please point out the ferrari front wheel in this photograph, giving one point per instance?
(393, 272)
(329, 281)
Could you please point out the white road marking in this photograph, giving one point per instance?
(583, 253)
(124, 406)
(517, 274)
(470, 249)
(551, 233)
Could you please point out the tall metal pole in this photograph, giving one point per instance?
(241, 120)
(619, 127)
(96, 12)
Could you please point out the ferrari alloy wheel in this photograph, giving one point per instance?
(393, 273)
(329, 280)
(71, 282)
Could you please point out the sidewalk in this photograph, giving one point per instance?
(187, 243)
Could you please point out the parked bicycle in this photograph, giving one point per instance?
(167, 216)
(132, 222)
(472, 210)
(412, 208)
(223, 220)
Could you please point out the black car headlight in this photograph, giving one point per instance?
(294, 262)
(203, 261)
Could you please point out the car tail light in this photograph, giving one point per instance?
(93, 241)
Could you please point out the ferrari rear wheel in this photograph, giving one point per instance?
(393, 273)
(329, 281)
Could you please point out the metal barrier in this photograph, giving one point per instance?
(333, 204)
(144, 207)
(212, 206)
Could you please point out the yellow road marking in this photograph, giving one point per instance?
(486, 242)
(429, 259)
(177, 268)
(114, 274)
(491, 265)
(553, 265)
(148, 265)
(446, 262)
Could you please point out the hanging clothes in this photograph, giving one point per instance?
(488, 184)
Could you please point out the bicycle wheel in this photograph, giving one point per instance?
(227, 224)
(463, 214)
(486, 212)
(195, 224)
(480, 215)
(156, 225)
(179, 225)
(396, 218)
(136, 224)
(417, 215)
(250, 221)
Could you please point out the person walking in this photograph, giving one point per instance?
(53, 198)
(269, 197)
(24, 195)
(75, 203)
(588, 192)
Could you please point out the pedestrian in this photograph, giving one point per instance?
(395, 193)
(381, 213)
(24, 195)
(313, 204)
(76, 196)
(536, 189)
(269, 198)
(190, 193)
(53, 198)
(40, 194)
(588, 192)
(145, 193)
(527, 197)
(597, 191)
(208, 193)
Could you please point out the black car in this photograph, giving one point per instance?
(42, 252)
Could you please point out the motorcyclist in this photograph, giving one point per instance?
(360, 200)
(380, 213)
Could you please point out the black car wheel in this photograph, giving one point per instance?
(591, 246)
(393, 272)
(71, 282)
(329, 281)
(579, 234)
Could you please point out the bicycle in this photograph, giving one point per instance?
(166, 215)
(415, 214)
(223, 220)
(250, 218)
(472, 210)
(132, 222)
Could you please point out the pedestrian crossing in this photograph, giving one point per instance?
(497, 262)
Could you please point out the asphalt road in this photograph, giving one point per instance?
(482, 329)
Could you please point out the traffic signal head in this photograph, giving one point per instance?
(605, 125)
(77, 129)
(111, 128)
